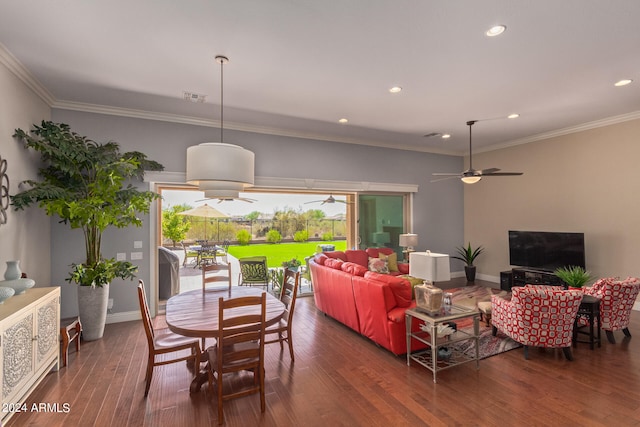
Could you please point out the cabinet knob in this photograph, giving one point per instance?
(35, 338)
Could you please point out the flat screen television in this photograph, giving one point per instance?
(545, 250)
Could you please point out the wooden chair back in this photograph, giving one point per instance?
(212, 273)
(289, 293)
(144, 312)
(239, 347)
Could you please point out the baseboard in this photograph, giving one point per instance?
(125, 316)
(485, 277)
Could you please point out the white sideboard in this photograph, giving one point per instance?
(29, 344)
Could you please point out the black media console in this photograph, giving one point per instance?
(528, 276)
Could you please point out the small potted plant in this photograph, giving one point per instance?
(292, 264)
(573, 276)
(469, 255)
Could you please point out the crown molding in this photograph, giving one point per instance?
(566, 131)
(21, 72)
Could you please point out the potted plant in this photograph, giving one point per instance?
(573, 276)
(83, 183)
(469, 255)
(292, 264)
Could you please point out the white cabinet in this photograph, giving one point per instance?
(29, 344)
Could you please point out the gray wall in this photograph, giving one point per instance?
(438, 207)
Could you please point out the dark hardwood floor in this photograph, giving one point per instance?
(342, 379)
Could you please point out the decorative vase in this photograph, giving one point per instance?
(92, 306)
(470, 272)
(13, 271)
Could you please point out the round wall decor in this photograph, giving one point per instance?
(4, 191)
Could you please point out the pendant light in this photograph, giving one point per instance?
(217, 166)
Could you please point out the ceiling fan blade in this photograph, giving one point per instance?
(503, 174)
(445, 178)
(445, 174)
(488, 171)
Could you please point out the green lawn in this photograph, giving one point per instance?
(276, 253)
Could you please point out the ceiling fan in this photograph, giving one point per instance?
(227, 199)
(329, 200)
(471, 175)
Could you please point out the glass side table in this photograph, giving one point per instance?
(429, 356)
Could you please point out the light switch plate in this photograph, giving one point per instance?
(136, 255)
(121, 256)
(137, 244)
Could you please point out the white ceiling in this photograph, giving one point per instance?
(296, 67)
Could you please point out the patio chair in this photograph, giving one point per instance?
(253, 271)
(288, 295)
(189, 254)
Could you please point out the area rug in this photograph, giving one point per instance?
(469, 296)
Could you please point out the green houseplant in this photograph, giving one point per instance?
(84, 183)
(468, 255)
(292, 264)
(573, 276)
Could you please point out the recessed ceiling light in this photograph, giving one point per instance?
(343, 121)
(496, 30)
(623, 82)
(513, 116)
(395, 89)
(446, 136)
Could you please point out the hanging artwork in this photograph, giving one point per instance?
(4, 191)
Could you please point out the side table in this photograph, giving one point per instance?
(429, 357)
(589, 310)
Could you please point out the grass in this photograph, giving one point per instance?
(279, 252)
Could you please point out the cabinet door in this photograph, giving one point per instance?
(47, 330)
(17, 353)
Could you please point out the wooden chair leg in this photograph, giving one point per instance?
(567, 353)
(626, 332)
(610, 337)
(494, 331)
(65, 345)
(149, 375)
(526, 352)
(290, 342)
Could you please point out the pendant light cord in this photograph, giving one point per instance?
(221, 101)
(470, 123)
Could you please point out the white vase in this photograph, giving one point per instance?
(92, 307)
(13, 271)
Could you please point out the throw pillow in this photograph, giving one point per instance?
(392, 260)
(333, 263)
(378, 265)
(321, 258)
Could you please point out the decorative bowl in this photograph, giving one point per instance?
(19, 285)
(6, 293)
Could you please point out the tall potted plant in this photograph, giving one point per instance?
(84, 183)
(468, 255)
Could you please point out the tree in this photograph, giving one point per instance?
(174, 226)
(252, 216)
(83, 183)
(316, 214)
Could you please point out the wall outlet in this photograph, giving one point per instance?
(136, 255)
(110, 304)
(121, 256)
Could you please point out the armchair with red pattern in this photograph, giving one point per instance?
(616, 302)
(539, 316)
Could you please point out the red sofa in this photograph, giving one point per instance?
(370, 303)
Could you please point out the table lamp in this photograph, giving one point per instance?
(431, 267)
(408, 241)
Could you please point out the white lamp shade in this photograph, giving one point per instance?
(429, 266)
(215, 161)
(221, 194)
(408, 240)
(221, 185)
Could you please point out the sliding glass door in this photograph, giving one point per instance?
(381, 220)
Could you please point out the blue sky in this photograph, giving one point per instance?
(265, 202)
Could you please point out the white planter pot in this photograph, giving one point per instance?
(92, 305)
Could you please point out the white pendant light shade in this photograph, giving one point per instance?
(221, 185)
(221, 194)
(221, 163)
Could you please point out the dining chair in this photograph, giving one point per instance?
(212, 273)
(163, 342)
(288, 295)
(239, 347)
(253, 271)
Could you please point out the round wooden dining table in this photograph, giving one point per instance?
(196, 314)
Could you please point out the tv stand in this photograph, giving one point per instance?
(530, 276)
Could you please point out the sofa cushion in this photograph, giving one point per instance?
(378, 265)
(333, 263)
(353, 268)
(358, 256)
(375, 252)
(392, 260)
(414, 281)
(320, 258)
(336, 255)
(400, 287)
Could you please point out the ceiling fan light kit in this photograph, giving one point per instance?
(472, 176)
(217, 167)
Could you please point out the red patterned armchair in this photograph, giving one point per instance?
(540, 316)
(616, 302)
